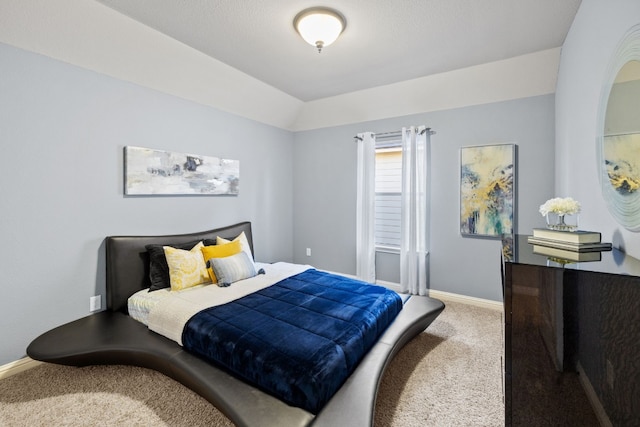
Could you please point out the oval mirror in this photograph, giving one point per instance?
(619, 142)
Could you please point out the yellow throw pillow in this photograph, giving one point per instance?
(244, 243)
(186, 268)
(219, 251)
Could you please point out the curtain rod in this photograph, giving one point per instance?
(396, 133)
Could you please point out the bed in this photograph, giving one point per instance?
(114, 337)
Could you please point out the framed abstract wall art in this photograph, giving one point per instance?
(156, 172)
(487, 199)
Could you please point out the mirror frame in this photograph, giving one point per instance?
(625, 209)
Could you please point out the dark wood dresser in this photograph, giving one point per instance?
(572, 339)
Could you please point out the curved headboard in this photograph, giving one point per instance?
(128, 261)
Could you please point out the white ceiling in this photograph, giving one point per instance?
(386, 41)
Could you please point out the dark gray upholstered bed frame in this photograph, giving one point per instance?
(112, 337)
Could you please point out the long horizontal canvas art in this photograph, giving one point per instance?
(487, 190)
(156, 172)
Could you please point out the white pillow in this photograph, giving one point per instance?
(244, 243)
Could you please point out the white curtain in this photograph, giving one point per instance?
(414, 246)
(365, 199)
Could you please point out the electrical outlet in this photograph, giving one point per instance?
(308, 251)
(95, 303)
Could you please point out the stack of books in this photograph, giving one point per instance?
(577, 245)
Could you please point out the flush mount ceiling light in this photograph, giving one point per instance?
(319, 26)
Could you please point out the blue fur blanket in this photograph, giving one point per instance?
(299, 339)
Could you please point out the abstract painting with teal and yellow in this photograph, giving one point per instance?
(487, 190)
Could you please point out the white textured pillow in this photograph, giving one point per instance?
(244, 243)
(233, 268)
(186, 268)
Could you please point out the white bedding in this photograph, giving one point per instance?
(168, 311)
(140, 303)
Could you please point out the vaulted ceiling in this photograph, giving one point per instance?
(385, 41)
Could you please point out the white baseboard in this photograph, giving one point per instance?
(447, 296)
(478, 302)
(18, 366)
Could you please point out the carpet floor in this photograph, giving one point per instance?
(449, 375)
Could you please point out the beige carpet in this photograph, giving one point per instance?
(449, 375)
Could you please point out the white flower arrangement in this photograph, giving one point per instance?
(560, 206)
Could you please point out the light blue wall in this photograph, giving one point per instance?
(62, 133)
(325, 189)
(587, 54)
(62, 130)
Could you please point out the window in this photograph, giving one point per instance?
(388, 194)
